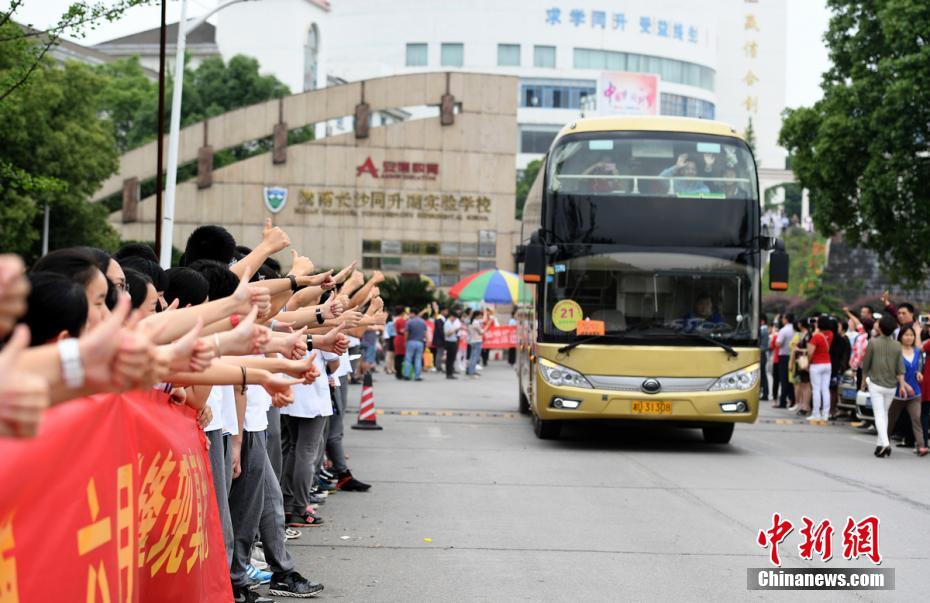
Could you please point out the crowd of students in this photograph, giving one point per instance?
(885, 353)
(449, 340)
(261, 356)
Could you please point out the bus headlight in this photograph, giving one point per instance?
(560, 376)
(740, 380)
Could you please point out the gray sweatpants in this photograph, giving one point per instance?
(302, 440)
(334, 449)
(274, 440)
(256, 506)
(220, 466)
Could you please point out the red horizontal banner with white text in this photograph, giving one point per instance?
(113, 501)
(499, 338)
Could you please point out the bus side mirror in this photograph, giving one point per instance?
(534, 263)
(778, 270)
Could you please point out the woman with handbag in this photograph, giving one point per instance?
(800, 363)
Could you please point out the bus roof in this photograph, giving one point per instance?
(689, 125)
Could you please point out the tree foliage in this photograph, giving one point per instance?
(407, 291)
(525, 183)
(862, 150)
(53, 150)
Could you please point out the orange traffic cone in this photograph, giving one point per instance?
(367, 417)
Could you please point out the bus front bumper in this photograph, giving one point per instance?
(554, 403)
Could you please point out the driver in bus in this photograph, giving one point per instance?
(685, 168)
(704, 312)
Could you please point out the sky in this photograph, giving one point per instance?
(806, 60)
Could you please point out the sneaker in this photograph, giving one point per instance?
(258, 559)
(242, 594)
(307, 520)
(316, 499)
(293, 584)
(291, 533)
(325, 486)
(792, 407)
(326, 474)
(347, 483)
(319, 492)
(260, 576)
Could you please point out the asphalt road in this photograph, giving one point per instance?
(467, 505)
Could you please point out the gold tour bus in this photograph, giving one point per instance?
(644, 246)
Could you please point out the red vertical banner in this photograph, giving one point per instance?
(113, 501)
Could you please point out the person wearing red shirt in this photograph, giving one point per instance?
(820, 369)
(400, 342)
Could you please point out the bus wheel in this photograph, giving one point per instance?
(546, 430)
(718, 434)
(524, 403)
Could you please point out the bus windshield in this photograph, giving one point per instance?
(676, 165)
(653, 295)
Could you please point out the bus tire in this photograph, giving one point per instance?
(718, 434)
(524, 403)
(546, 430)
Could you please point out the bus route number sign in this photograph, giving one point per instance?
(565, 315)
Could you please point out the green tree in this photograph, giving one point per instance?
(861, 150)
(130, 100)
(750, 135)
(51, 132)
(408, 291)
(525, 183)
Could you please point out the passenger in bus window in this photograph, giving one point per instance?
(603, 166)
(685, 168)
(733, 188)
(711, 168)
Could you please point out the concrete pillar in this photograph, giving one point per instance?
(805, 205)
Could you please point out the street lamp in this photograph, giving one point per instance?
(171, 177)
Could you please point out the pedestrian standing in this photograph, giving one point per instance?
(783, 341)
(451, 328)
(773, 352)
(439, 338)
(800, 365)
(389, 333)
(821, 368)
(883, 369)
(416, 343)
(475, 338)
(512, 352)
(763, 355)
(909, 399)
(400, 342)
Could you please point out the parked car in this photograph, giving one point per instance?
(864, 408)
(846, 392)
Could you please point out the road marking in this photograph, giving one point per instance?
(442, 413)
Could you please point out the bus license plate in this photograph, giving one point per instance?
(650, 407)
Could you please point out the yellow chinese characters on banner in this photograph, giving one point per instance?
(751, 50)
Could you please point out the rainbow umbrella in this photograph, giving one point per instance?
(491, 286)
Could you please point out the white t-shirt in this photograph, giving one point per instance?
(215, 402)
(230, 420)
(312, 400)
(258, 401)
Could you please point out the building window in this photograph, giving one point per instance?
(544, 56)
(508, 55)
(416, 55)
(534, 140)
(453, 55)
(685, 106)
(670, 70)
(311, 62)
(555, 94)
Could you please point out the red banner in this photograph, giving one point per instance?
(112, 502)
(499, 338)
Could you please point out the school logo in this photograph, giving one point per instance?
(275, 198)
(368, 167)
